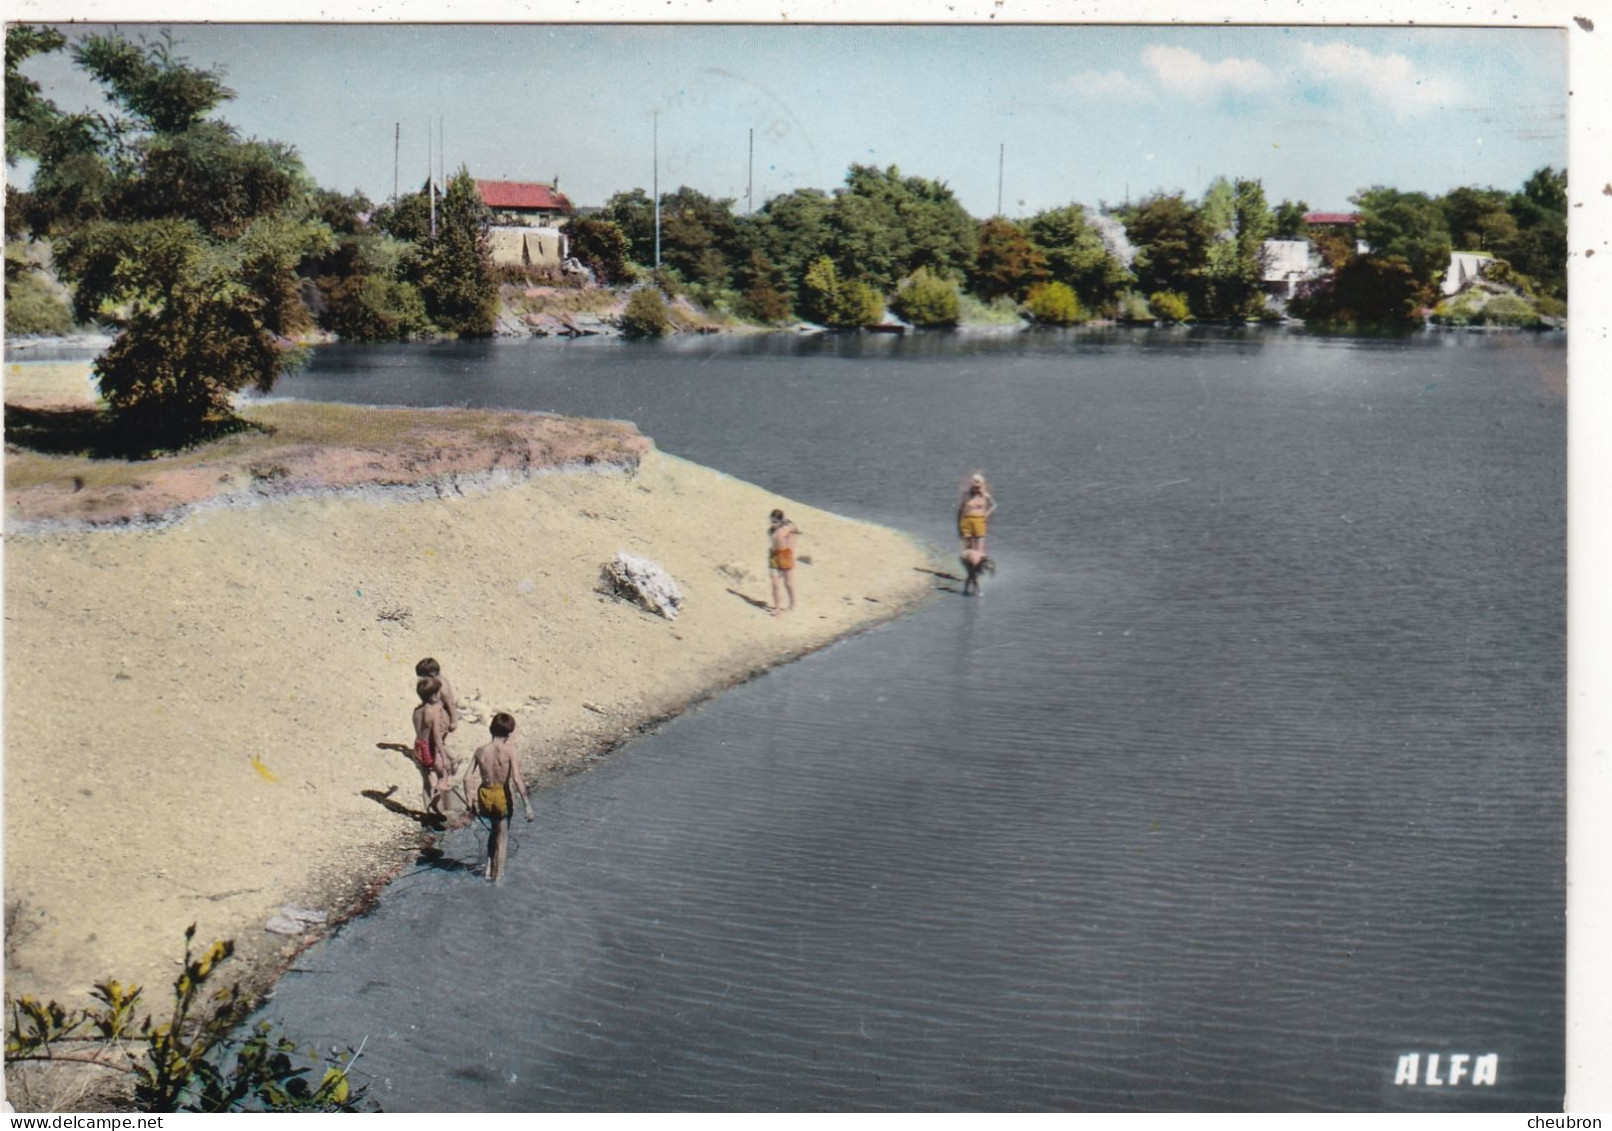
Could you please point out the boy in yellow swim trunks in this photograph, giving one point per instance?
(781, 559)
(497, 766)
(973, 514)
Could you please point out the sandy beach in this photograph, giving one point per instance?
(204, 718)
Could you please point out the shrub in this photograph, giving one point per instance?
(190, 1062)
(1000, 311)
(859, 305)
(1170, 306)
(1508, 310)
(645, 316)
(820, 292)
(1134, 308)
(925, 299)
(1460, 310)
(1054, 304)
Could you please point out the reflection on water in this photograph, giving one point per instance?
(1244, 780)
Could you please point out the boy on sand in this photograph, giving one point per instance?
(781, 558)
(497, 767)
(430, 669)
(430, 744)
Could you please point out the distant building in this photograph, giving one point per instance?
(1332, 219)
(528, 247)
(1466, 268)
(524, 203)
(1286, 264)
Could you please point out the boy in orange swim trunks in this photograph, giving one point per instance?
(497, 767)
(781, 558)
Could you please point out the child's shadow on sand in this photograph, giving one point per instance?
(384, 799)
(751, 600)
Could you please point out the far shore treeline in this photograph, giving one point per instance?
(209, 255)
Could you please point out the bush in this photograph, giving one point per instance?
(645, 316)
(1000, 311)
(925, 299)
(1170, 306)
(192, 1061)
(1508, 310)
(1460, 310)
(1054, 304)
(859, 305)
(1134, 308)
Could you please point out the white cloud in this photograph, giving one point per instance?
(1390, 79)
(1190, 73)
(1108, 84)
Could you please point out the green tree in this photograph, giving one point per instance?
(1076, 255)
(180, 235)
(1408, 226)
(454, 269)
(1368, 290)
(1234, 269)
(1171, 243)
(764, 288)
(1290, 222)
(1479, 219)
(926, 299)
(793, 230)
(1170, 306)
(884, 226)
(820, 292)
(1008, 261)
(603, 247)
(634, 213)
(1539, 249)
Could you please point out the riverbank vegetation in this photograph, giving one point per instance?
(210, 255)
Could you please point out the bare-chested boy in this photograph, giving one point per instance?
(974, 513)
(498, 767)
(431, 744)
(430, 669)
(781, 559)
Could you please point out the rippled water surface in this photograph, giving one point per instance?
(1244, 779)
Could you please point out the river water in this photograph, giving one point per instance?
(1243, 781)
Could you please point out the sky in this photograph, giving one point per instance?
(1046, 115)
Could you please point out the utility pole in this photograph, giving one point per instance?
(431, 178)
(657, 190)
(750, 176)
(1001, 158)
(397, 141)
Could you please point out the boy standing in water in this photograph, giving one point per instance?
(430, 669)
(430, 744)
(497, 767)
(781, 558)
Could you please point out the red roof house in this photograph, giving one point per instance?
(1350, 218)
(524, 200)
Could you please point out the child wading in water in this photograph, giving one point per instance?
(973, 518)
(498, 767)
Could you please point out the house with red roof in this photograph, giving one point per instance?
(524, 203)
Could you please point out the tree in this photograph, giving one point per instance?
(454, 269)
(1077, 256)
(603, 247)
(1479, 219)
(173, 230)
(634, 213)
(765, 290)
(1539, 249)
(1171, 242)
(1370, 289)
(884, 226)
(1008, 261)
(1290, 222)
(1408, 226)
(841, 303)
(1235, 265)
(793, 230)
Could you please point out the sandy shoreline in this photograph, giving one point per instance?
(198, 714)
